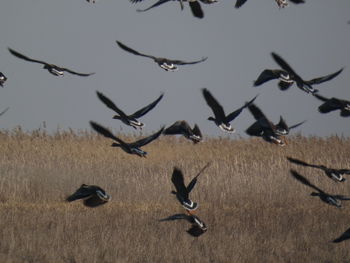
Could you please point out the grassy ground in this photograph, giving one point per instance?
(255, 211)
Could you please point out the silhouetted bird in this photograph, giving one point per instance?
(164, 63)
(280, 3)
(53, 69)
(333, 104)
(130, 120)
(131, 148)
(93, 195)
(183, 128)
(2, 79)
(343, 237)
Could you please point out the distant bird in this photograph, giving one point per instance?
(3, 112)
(93, 195)
(198, 227)
(182, 192)
(183, 128)
(333, 104)
(53, 69)
(131, 148)
(280, 3)
(221, 119)
(287, 76)
(164, 63)
(343, 237)
(334, 200)
(130, 120)
(2, 79)
(335, 174)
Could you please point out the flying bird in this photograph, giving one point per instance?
(183, 128)
(335, 174)
(2, 79)
(131, 148)
(164, 63)
(221, 119)
(130, 120)
(280, 3)
(333, 104)
(93, 195)
(334, 200)
(3, 112)
(53, 69)
(343, 237)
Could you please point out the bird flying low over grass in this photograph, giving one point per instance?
(334, 200)
(280, 3)
(183, 128)
(221, 119)
(343, 237)
(333, 104)
(334, 174)
(164, 63)
(53, 69)
(2, 79)
(130, 120)
(287, 76)
(92, 195)
(131, 148)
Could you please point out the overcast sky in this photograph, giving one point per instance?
(314, 38)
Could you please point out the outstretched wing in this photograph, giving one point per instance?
(320, 97)
(160, 2)
(341, 197)
(178, 180)
(130, 50)
(3, 112)
(297, 1)
(196, 131)
(110, 104)
(299, 162)
(324, 78)
(255, 129)
(267, 75)
(21, 56)
(146, 109)
(214, 105)
(343, 237)
(284, 65)
(296, 125)
(105, 132)
(239, 3)
(330, 105)
(194, 180)
(147, 140)
(196, 9)
(77, 73)
(180, 62)
(234, 114)
(179, 127)
(304, 181)
(175, 217)
(83, 192)
(196, 231)
(260, 116)
(282, 85)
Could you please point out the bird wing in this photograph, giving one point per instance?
(330, 105)
(177, 179)
(267, 75)
(344, 171)
(196, 231)
(318, 96)
(304, 181)
(260, 116)
(83, 192)
(324, 78)
(255, 129)
(285, 66)
(130, 50)
(3, 112)
(106, 133)
(146, 140)
(77, 73)
(160, 2)
(196, 131)
(146, 109)
(214, 105)
(181, 62)
(344, 236)
(299, 162)
(297, 1)
(175, 217)
(234, 114)
(282, 124)
(179, 127)
(21, 56)
(282, 85)
(296, 125)
(196, 9)
(239, 3)
(341, 197)
(194, 180)
(110, 104)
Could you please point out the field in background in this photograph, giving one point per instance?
(255, 211)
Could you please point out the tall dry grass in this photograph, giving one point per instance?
(255, 211)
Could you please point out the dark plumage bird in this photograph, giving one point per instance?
(335, 174)
(221, 119)
(343, 237)
(280, 3)
(130, 120)
(131, 148)
(333, 104)
(287, 76)
(334, 200)
(183, 128)
(164, 63)
(2, 79)
(53, 69)
(93, 195)
(198, 227)
(182, 192)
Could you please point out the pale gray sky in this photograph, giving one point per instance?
(314, 38)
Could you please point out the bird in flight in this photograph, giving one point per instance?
(2, 79)
(183, 128)
(93, 195)
(343, 237)
(333, 104)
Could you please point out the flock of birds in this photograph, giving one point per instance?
(94, 196)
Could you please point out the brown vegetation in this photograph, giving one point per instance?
(255, 211)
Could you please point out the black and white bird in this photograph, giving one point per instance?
(333, 104)
(334, 200)
(131, 148)
(220, 118)
(131, 120)
(183, 128)
(280, 3)
(2, 79)
(164, 63)
(182, 192)
(287, 77)
(335, 174)
(53, 69)
(92, 195)
(198, 227)
(343, 237)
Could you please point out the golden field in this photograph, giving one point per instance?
(254, 209)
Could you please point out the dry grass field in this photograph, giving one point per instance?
(254, 209)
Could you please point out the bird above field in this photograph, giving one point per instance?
(182, 192)
(53, 69)
(280, 3)
(343, 237)
(334, 200)
(335, 174)
(164, 63)
(2, 79)
(93, 195)
(333, 104)
(221, 119)
(130, 120)
(183, 128)
(198, 227)
(131, 148)
(287, 76)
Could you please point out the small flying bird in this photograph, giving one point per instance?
(333, 104)
(334, 200)
(335, 174)
(131, 148)
(280, 3)
(53, 69)
(182, 192)
(2, 79)
(198, 227)
(3, 112)
(221, 119)
(93, 195)
(164, 63)
(130, 120)
(343, 237)
(183, 128)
